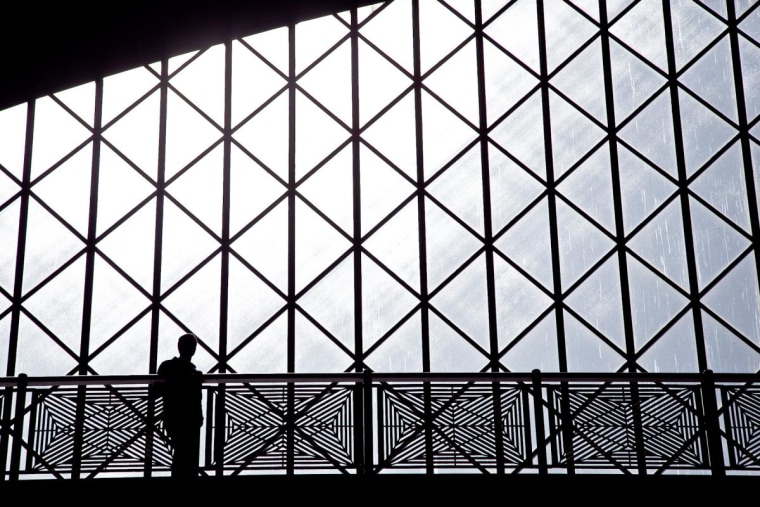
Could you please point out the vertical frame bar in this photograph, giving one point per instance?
(367, 429)
(18, 427)
(553, 232)
(290, 408)
(620, 238)
(422, 237)
(488, 237)
(741, 110)
(6, 399)
(712, 425)
(76, 458)
(538, 414)
(18, 287)
(683, 180)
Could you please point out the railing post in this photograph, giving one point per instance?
(498, 426)
(367, 433)
(538, 411)
(712, 428)
(5, 430)
(78, 443)
(18, 426)
(150, 421)
(220, 419)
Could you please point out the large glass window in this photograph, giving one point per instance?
(411, 186)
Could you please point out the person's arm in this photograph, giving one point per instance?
(157, 388)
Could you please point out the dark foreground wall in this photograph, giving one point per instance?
(50, 46)
(392, 490)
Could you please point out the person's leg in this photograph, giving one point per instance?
(186, 454)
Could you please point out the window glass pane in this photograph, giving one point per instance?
(675, 351)
(49, 244)
(314, 37)
(115, 303)
(449, 352)
(535, 350)
(519, 302)
(528, 244)
(329, 83)
(464, 302)
(662, 244)
(586, 352)
(331, 302)
(12, 132)
(736, 300)
(581, 244)
(57, 305)
(135, 136)
(201, 81)
(589, 187)
(185, 245)
(265, 246)
(693, 28)
(317, 244)
(654, 303)
(566, 30)
(722, 184)
(9, 224)
(750, 55)
(598, 301)
(131, 245)
(56, 134)
(716, 243)
(397, 245)
(67, 189)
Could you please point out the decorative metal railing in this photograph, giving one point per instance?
(370, 423)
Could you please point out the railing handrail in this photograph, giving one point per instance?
(222, 378)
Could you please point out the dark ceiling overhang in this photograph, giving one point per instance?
(51, 46)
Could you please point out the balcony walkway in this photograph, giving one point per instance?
(408, 488)
(631, 438)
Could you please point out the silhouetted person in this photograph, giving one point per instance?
(183, 409)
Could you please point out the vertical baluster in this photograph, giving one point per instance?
(712, 428)
(18, 426)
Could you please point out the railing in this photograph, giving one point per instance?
(372, 423)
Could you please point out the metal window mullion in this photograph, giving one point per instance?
(356, 188)
(89, 273)
(363, 395)
(158, 232)
(225, 251)
(217, 418)
(89, 276)
(424, 301)
(18, 286)
(157, 254)
(551, 187)
(620, 239)
(691, 263)
(291, 338)
(741, 109)
(488, 238)
(553, 233)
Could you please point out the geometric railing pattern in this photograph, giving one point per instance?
(462, 425)
(114, 433)
(256, 427)
(743, 418)
(604, 423)
(366, 424)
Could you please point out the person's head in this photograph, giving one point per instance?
(186, 345)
